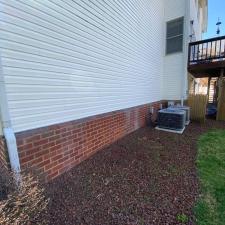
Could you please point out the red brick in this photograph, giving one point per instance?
(20, 142)
(32, 138)
(51, 165)
(42, 152)
(56, 158)
(54, 138)
(40, 142)
(53, 175)
(44, 163)
(37, 160)
(3, 153)
(48, 145)
(26, 159)
(22, 154)
(25, 147)
(60, 147)
(48, 134)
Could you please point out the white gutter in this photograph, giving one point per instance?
(6, 124)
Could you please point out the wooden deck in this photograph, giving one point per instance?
(206, 58)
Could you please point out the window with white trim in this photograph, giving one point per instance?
(174, 35)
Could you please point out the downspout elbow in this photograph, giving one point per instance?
(12, 149)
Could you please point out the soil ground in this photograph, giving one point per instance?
(148, 177)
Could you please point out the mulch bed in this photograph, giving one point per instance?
(148, 177)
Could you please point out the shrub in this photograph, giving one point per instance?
(22, 203)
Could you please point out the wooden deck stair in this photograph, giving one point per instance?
(212, 89)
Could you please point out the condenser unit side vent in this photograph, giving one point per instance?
(186, 109)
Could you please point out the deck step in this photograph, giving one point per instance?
(212, 88)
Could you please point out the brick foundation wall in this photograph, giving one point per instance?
(3, 153)
(57, 148)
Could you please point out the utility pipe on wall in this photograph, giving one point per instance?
(187, 31)
(7, 127)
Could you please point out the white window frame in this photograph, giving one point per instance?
(175, 36)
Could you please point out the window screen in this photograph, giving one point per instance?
(174, 36)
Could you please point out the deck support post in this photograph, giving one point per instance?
(221, 104)
(209, 81)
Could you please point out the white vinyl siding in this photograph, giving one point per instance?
(174, 72)
(175, 64)
(66, 60)
(196, 29)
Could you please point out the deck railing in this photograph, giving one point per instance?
(207, 51)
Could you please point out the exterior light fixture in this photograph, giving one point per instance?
(192, 35)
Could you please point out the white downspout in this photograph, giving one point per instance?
(12, 149)
(7, 127)
(186, 42)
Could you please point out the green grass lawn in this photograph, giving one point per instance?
(210, 209)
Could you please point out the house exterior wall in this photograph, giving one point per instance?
(3, 153)
(67, 60)
(175, 81)
(81, 74)
(55, 149)
(174, 73)
(196, 14)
